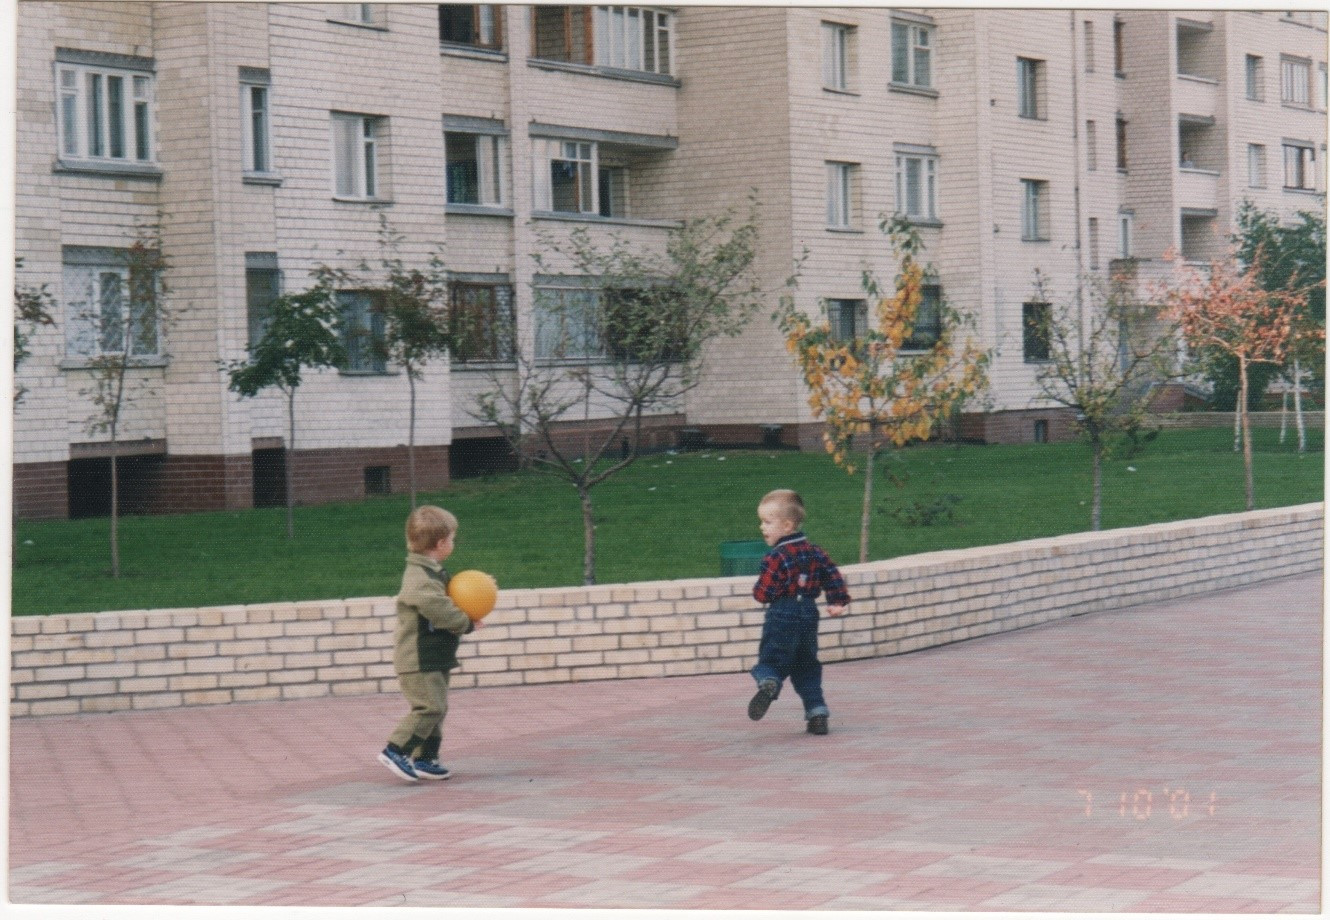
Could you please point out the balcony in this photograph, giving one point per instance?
(1198, 189)
(1200, 54)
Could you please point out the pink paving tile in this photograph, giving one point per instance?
(977, 754)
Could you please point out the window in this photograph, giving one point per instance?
(482, 320)
(1034, 210)
(916, 186)
(378, 480)
(1120, 143)
(836, 56)
(572, 166)
(107, 312)
(263, 285)
(912, 54)
(105, 114)
(623, 37)
(841, 191)
(1119, 49)
(634, 38)
(478, 25)
(362, 332)
(1256, 165)
(1088, 32)
(365, 14)
(1093, 233)
(1295, 82)
(1030, 88)
(1036, 318)
(256, 126)
(565, 320)
(848, 319)
(612, 187)
(355, 155)
(1124, 235)
(475, 168)
(1091, 147)
(1322, 86)
(927, 321)
(1255, 78)
(1299, 166)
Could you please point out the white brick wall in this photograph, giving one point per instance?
(148, 659)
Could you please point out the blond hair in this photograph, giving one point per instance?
(787, 505)
(426, 526)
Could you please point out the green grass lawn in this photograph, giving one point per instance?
(662, 518)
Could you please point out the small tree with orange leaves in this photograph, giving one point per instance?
(869, 389)
(1227, 310)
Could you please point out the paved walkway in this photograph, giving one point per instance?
(1162, 758)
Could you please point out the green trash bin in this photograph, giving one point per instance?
(742, 557)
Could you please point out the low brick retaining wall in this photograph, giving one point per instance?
(1263, 419)
(165, 658)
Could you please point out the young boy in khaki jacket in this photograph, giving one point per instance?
(429, 627)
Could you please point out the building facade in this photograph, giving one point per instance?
(260, 141)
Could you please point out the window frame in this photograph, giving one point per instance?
(613, 43)
(1303, 167)
(365, 161)
(258, 300)
(842, 195)
(86, 331)
(1290, 86)
(1119, 48)
(1254, 77)
(928, 320)
(1257, 168)
(588, 345)
(256, 128)
(1091, 146)
(1120, 143)
(1034, 211)
(491, 342)
(905, 68)
(928, 190)
(359, 340)
(1126, 227)
(91, 122)
(491, 168)
(836, 309)
(838, 56)
(479, 26)
(1036, 321)
(1031, 88)
(1087, 32)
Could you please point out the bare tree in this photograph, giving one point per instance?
(1106, 351)
(32, 308)
(624, 343)
(122, 319)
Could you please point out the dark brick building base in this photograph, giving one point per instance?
(1020, 426)
(172, 484)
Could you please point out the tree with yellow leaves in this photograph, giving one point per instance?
(883, 387)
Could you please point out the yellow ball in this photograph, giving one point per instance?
(473, 591)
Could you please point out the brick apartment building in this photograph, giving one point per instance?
(263, 139)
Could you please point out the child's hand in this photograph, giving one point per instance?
(836, 610)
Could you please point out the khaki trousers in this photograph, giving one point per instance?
(427, 692)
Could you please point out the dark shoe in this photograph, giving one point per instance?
(761, 701)
(399, 764)
(817, 725)
(430, 769)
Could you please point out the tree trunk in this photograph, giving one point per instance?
(1297, 406)
(589, 536)
(1283, 417)
(115, 508)
(866, 514)
(1246, 431)
(1097, 482)
(1237, 425)
(411, 440)
(288, 466)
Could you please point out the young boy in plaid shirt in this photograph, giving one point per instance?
(793, 574)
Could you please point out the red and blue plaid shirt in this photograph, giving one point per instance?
(796, 568)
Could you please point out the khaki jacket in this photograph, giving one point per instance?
(429, 624)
